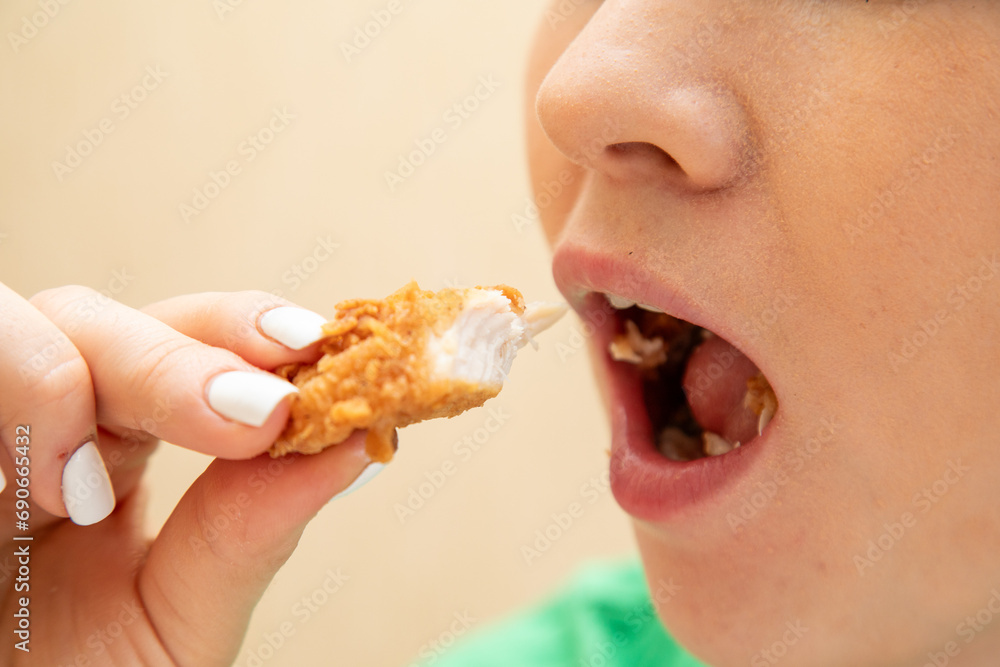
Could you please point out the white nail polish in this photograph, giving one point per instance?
(86, 487)
(293, 327)
(247, 397)
(367, 475)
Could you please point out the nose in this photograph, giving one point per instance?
(623, 101)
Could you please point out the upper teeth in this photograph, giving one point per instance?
(621, 303)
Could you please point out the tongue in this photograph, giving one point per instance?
(715, 382)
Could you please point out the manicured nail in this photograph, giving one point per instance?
(293, 327)
(86, 487)
(247, 397)
(367, 475)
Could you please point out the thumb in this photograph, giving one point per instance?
(225, 540)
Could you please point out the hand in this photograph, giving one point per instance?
(95, 385)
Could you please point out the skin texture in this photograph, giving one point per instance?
(840, 156)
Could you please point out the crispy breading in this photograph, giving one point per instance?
(375, 374)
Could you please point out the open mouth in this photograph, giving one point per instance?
(686, 387)
(703, 396)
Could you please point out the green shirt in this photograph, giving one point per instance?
(603, 618)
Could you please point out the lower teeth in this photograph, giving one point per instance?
(716, 445)
(677, 445)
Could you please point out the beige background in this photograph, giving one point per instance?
(323, 175)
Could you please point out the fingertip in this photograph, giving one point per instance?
(248, 397)
(294, 327)
(86, 486)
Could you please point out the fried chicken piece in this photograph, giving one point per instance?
(413, 356)
(634, 348)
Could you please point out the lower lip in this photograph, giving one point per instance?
(645, 483)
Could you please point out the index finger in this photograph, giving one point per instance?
(151, 378)
(47, 415)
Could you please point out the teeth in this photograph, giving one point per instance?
(716, 445)
(765, 418)
(760, 398)
(619, 302)
(677, 445)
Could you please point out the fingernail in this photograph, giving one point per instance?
(293, 327)
(247, 397)
(367, 475)
(86, 487)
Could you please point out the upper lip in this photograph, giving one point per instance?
(579, 270)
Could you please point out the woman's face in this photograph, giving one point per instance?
(817, 183)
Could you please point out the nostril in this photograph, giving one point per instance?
(643, 150)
